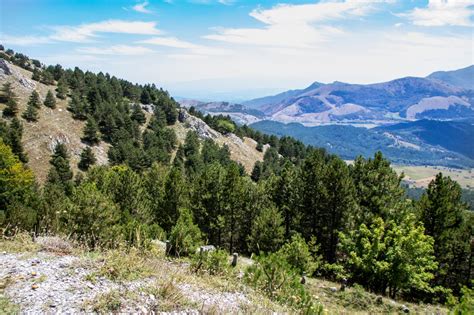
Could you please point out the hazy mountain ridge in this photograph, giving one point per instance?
(434, 97)
(421, 142)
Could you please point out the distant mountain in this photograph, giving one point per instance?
(453, 136)
(408, 98)
(239, 113)
(422, 142)
(463, 77)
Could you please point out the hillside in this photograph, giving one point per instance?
(58, 126)
(463, 77)
(54, 275)
(54, 125)
(418, 143)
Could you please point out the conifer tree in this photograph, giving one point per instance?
(30, 114)
(138, 115)
(50, 100)
(9, 97)
(61, 90)
(91, 131)
(78, 107)
(36, 75)
(87, 159)
(34, 100)
(61, 172)
(445, 218)
(267, 231)
(15, 135)
(47, 78)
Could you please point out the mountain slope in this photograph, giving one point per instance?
(399, 143)
(463, 77)
(57, 126)
(406, 98)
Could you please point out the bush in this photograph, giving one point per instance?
(211, 262)
(466, 304)
(119, 264)
(276, 278)
(300, 255)
(185, 235)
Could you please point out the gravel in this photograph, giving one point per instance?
(63, 288)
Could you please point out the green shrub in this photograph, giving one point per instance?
(185, 235)
(300, 255)
(466, 303)
(211, 262)
(275, 277)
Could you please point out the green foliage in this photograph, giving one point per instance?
(213, 262)
(62, 89)
(185, 236)
(92, 218)
(34, 100)
(30, 114)
(9, 97)
(87, 159)
(16, 185)
(225, 126)
(390, 256)
(267, 233)
(91, 131)
(12, 137)
(274, 276)
(300, 255)
(137, 114)
(466, 304)
(50, 100)
(61, 172)
(445, 218)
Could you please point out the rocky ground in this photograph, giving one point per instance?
(49, 282)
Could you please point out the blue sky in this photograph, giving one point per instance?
(234, 49)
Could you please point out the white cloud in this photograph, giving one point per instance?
(295, 25)
(168, 42)
(443, 12)
(181, 44)
(141, 7)
(86, 32)
(116, 50)
(24, 40)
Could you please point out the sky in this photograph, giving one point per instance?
(240, 49)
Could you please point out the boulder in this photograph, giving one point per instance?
(4, 67)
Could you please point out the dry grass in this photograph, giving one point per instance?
(19, 243)
(421, 176)
(52, 125)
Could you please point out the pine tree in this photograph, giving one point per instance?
(87, 159)
(30, 114)
(62, 172)
(61, 90)
(78, 107)
(91, 131)
(9, 97)
(50, 101)
(36, 75)
(47, 78)
(267, 231)
(34, 100)
(15, 135)
(445, 218)
(138, 115)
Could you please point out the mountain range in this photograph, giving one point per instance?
(413, 120)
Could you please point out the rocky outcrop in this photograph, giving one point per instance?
(197, 125)
(4, 67)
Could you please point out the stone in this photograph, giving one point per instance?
(34, 286)
(28, 84)
(4, 67)
(378, 300)
(333, 289)
(405, 309)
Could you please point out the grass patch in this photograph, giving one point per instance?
(19, 243)
(168, 297)
(120, 265)
(7, 306)
(106, 302)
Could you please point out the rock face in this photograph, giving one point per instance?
(4, 67)
(197, 125)
(28, 84)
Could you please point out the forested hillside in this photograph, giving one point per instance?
(301, 211)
